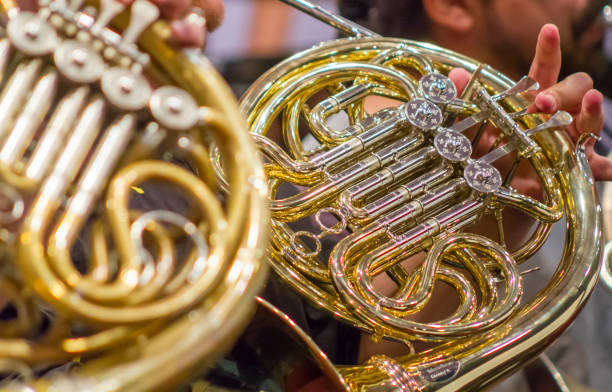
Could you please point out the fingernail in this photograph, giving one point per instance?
(594, 101)
(546, 103)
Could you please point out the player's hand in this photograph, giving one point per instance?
(574, 94)
(190, 20)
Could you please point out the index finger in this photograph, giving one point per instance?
(547, 60)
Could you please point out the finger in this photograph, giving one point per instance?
(565, 95)
(214, 12)
(189, 31)
(460, 78)
(591, 116)
(601, 167)
(547, 60)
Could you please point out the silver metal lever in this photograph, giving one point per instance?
(338, 22)
(559, 119)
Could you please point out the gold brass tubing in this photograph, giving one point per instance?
(240, 182)
(345, 250)
(553, 197)
(341, 50)
(291, 128)
(69, 162)
(408, 191)
(106, 338)
(199, 74)
(295, 207)
(283, 166)
(192, 75)
(346, 71)
(59, 125)
(127, 277)
(166, 347)
(406, 166)
(127, 273)
(15, 92)
(16, 180)
(310, 266)
(30, 118)
(412, 298)
(91, 183)
(485, 281)
(199, 155)
(406, 57)
(504, 262)
(5, 54)
(332, 105)
(160, 268)
(100, 269)
(529, 206)
(32, 353)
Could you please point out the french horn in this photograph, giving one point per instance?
(124, 267)
(355, 196)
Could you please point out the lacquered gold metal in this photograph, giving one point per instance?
(606, 204)
(390, 185)
(119, 254)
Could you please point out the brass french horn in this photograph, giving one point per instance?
(388, 186)
(123, 266)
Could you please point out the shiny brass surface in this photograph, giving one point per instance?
(121, 261)
(606, 204)
(398, 192)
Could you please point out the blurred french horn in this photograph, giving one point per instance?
(354, 195)
(123, 267)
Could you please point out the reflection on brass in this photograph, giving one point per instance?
(122, 267)
(355, 195)
(606, 205)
